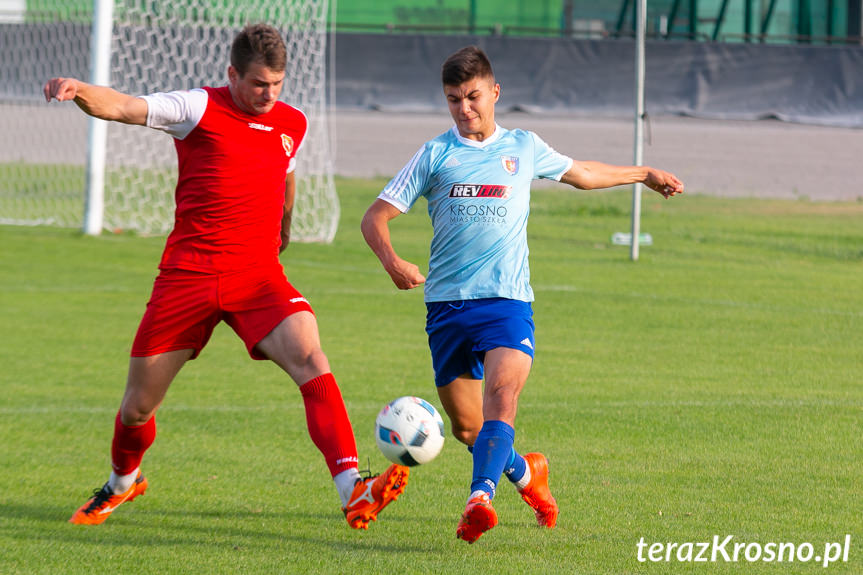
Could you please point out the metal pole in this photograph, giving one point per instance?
(693, 19)
(855, 19)
(568, 14)
(765, 24)
(621, 19)
(640, 21)
(671, 17)
(97, 137)
(719, 19)
(804, 21)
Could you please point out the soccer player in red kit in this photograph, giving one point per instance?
(236, 148)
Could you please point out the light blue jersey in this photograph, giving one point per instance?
(479, 199)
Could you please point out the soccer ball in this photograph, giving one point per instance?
(409, 431)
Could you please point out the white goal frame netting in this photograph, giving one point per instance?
(156, 45)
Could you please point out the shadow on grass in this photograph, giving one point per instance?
(178, 528)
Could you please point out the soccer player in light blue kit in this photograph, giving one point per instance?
(476, 178)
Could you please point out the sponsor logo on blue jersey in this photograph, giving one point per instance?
(478, 191)
(477, 214)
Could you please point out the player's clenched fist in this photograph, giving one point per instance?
(61, 89)
(405, 274)
(663, 182)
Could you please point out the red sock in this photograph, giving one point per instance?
(328, 423)
(130, 443)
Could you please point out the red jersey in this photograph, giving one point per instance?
(230, 192)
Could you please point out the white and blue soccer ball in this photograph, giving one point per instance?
(409, 431)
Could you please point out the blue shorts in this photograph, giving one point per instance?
(460, 332)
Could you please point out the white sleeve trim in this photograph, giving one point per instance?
(391, 200)
(568, 166)
(176, 113)
(401, 180)
(569, 161)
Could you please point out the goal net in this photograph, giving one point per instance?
(157, 45)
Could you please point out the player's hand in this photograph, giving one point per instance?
(405, 275)
(61, 89)
(663, 182)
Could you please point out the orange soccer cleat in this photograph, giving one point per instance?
(478, 517)
(104, 501)
(537, 494)
(373, 494)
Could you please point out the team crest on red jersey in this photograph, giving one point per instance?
(510, 164)
(287, 144)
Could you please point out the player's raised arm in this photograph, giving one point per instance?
(98, 101)
(595, 175)
(376, 231)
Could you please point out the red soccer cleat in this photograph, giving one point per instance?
(104, 502)
(478, 517)
(537, 494)
(373, 494)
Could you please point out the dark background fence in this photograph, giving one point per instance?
(795, 83)
(815, 84)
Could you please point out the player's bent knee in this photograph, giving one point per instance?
(314, 360)
(303, 365)
(466, 435)
(133, 417)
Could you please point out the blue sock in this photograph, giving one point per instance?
(515, 466)
(491, 451)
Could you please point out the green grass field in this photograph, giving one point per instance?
(711, 389)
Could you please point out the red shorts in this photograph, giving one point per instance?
(186, 306)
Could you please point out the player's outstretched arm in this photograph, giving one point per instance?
(98, 101)
(596, 175)
(376, 231)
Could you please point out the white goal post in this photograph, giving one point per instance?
(51, 163)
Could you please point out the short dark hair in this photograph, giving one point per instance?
(261, 44)
(466, 64)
